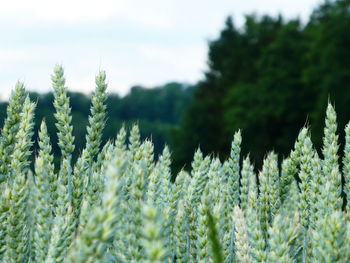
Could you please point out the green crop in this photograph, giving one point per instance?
(116, 203)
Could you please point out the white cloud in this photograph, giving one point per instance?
(185, 57)
(152, 13)
(157, 13)
(60, 11)
(14, 55)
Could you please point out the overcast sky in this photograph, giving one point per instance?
(137, 42)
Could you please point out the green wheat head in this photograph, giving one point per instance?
(117, 203)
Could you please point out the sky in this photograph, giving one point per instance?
(136, 42)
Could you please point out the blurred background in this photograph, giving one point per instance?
(191, 73)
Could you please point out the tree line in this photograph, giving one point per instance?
(263, 77)
(157, 111)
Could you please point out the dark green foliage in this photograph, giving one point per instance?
(268, 78)
(158, 111)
